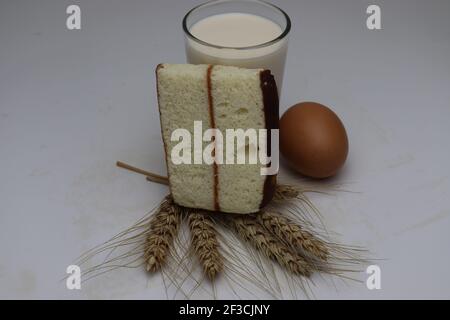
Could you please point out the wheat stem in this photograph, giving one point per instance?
(150, 175)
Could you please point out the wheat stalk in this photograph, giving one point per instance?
(293, 234)
(252, 231)
(163, 230)
(205, 244)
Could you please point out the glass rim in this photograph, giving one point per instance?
(283, 35)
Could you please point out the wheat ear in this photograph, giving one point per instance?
(293, 234)
(285, 192)
(205, 243)
(164, 226)
(252, 231)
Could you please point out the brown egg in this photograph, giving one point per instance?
(313, 140)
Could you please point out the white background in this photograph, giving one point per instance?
(74, 102)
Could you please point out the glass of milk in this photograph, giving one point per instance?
(243, 33)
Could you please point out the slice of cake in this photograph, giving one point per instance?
(221, 98)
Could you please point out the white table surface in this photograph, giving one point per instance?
(74, 102)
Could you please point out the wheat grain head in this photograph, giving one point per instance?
(293, 234)
(204, 242)
(163, 227)
(252, 231)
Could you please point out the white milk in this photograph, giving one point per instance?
(238, 30)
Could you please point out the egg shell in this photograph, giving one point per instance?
(313, 140)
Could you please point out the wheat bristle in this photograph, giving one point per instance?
(293, 234)
(252, 231)
(205, 243)
(163, 230)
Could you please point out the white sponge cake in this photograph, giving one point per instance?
(221, 97)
